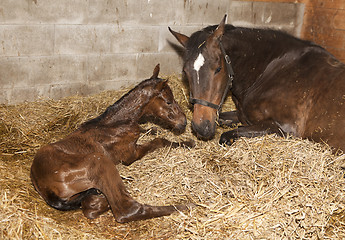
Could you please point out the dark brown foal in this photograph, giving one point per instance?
(80, 171)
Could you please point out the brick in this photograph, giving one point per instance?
(275, 13)
(27, 94)
(120, 67)
(20, 72)
(59, 91)
(108, 85)
(157, 12)
(83, 39)
(62, 11)
(8, 72)
(114, 11)
(4, 96)
(204, 12)
(14, 11)
(241, 13)
(134, 39)
(170, 63)
(26, 40)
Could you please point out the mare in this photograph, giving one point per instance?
(80, 171)
(279, 84)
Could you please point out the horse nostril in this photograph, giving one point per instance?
(205, 130)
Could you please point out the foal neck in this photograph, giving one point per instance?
(129, 108)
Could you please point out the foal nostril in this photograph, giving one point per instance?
(171, 116)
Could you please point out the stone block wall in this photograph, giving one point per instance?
(53, 49)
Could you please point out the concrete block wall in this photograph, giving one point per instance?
(53, 49)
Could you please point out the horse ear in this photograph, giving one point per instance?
(219, 32)
(155, 72)
(183, 39)
(161, 84)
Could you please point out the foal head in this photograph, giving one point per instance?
(205, 69)
(162, 104)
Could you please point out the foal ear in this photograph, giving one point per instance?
(219, 32)
(155, 72)
(183, 39)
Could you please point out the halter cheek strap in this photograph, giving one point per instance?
(231, 75)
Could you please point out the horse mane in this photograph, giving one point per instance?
(199, 37)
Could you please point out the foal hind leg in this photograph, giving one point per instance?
(94, 205)
(123, 206)
(264, 128)
(142, 150)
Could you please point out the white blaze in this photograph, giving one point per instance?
(199, 62)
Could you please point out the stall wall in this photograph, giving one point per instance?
(53, 49)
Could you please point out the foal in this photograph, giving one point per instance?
(79, 170)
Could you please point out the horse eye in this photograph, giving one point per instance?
(218, 70)
(168, 102)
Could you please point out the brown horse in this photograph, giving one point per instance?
(279, 84)
(79, 171)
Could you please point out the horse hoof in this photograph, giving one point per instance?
(225, 140)
(228, 123)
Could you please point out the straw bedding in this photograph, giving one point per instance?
(261, 188)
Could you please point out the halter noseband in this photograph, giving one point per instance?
(231, 74)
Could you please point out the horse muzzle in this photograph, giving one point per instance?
(205, 130)
(204, 122)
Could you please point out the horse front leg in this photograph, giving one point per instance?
(142, 150)
(264, 128)
(228, 118)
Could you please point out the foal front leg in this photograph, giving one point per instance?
(142, 150)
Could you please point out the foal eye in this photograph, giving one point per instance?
(217, 70)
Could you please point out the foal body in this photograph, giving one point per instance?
(80, 170)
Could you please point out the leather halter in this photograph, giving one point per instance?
(231, 75)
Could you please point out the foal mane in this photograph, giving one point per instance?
(133, 100)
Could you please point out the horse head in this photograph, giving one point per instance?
(163, 105)
(206, 71)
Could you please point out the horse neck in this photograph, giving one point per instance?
(251, 50)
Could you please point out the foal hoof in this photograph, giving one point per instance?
(190, 143)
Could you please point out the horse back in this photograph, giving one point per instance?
(303, 90)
